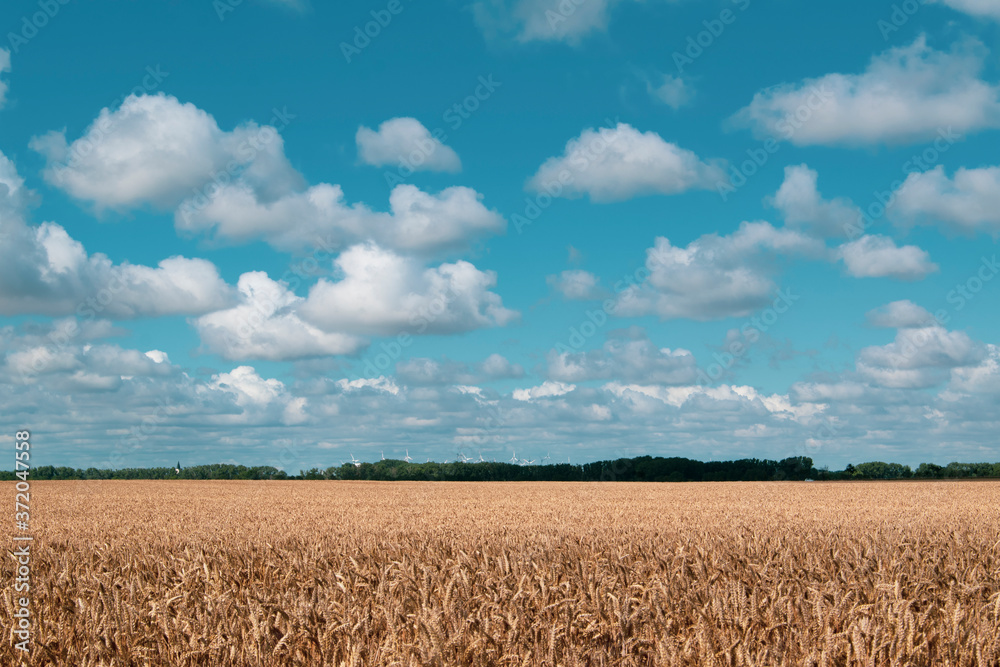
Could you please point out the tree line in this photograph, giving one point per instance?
(638, 469)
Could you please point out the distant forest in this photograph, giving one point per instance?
(639, 469)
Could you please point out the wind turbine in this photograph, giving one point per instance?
(481, 459)
(513, 458)
(407, 458)
(357, 463)
(530, 463)
(465, 459)
(383, 455)
(546, 457)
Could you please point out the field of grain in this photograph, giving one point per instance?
(364, 573)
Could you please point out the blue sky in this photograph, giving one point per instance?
(282, 232)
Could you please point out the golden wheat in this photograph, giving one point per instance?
(366, 573)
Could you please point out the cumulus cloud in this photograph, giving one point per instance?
(673, 91)
(155, 150)
(902, 314)
(240, 186)
(620, 163)
(44, 270)
(421, 371)
(715, 277)
(778, 405)
(876, 256)
(416, 222)
(379, 384)
(547, 389)
(383, 293)
(630, 361)
(407, 141)
(254, 393)
(265, 325)
(802, 205)
(829, 392)
(41, 360)
(919, 357)
(983, 378)
(89, 406)
(965, 204)
(62, 355)
(577, 284)
(542, 20)
(906, 95)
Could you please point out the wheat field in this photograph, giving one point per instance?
(368, 573)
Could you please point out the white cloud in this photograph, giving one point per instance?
(114, 360)
(44, 270)
(417, 222)
(900, 315)
(265, 325)
(673, 91)
(421, 371)
(89, 408)
(248, 386)
(547, 389)
(778, 405)
(989, 9)
(158, 356)
(155, 150)
(577, 284)
(498, 366)
(382, 293)
(542, 20)
(967, 203)
(636, 361)
(405, 140)
(918, 357)
(255, 395)
(240, 186)
(4, 67)
(801, 205)
(875, 256)
(906, 95)
(982, 378)
(62, 355)
(620, 163)
(380, 383)
(42, 360)
(426, 223)
(714, 277)
(823, 392)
